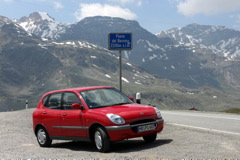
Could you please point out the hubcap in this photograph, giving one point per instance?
(41, 136)
(98, 139)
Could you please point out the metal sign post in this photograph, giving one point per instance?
(120, 70)
(120, 41)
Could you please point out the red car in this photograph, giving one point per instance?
(98, 114)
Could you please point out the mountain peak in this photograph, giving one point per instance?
(4, 20)
(45, 16)
(108, 20)
(38, 16)
(41, 16)
(42, 25)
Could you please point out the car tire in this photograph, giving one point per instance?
(101, 140)
(43, 137)
(150, 138)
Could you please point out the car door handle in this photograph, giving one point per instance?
(44, 112)
(64, 115)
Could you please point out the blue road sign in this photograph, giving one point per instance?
(120, 41)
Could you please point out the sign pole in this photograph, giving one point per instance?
(120, 70)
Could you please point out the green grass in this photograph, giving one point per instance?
(233, 110)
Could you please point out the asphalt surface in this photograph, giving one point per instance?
(216, 122)
(175, 142)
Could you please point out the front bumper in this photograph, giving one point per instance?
(122, 132)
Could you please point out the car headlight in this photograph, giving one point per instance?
(116, 118)
(158, 112)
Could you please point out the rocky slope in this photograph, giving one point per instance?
(194, 56)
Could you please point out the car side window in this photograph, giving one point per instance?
(54, 101)
(44, 101)
(69, 98)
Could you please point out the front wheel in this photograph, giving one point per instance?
(101, 140)
(150, 138)
(43, 138)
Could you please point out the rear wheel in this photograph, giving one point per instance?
(101, 140)
(43, 138)
(150, 138)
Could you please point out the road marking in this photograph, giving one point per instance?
(205, 129)
(197, 115)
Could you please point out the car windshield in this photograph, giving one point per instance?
(104, 97)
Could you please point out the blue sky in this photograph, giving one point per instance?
(153, 15)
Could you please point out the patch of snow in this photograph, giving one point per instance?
(126, 54)
(45, 16)
(124, 79)
(129, 64)
(44, 39)
(150, 49)
(154, 46)
(57, 43)
(138, 83)
(140, 40)
(152, 57)
(108, 76)
(139, 76)
(42, 46)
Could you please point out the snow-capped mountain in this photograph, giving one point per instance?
(42, 25)
(30, 66)
(186, 55)
(76, 55)
(219, 39)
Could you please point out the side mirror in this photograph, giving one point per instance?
(131, 98)
(77, 106)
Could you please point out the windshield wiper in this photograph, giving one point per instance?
(111, 105)
(120, 103)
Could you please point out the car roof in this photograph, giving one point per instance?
(79, 89)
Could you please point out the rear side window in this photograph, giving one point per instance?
(44, 101)
(54, 101)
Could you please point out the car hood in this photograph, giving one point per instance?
(129, 111)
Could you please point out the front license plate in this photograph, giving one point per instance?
(145, 128)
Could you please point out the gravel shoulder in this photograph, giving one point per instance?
(18, 142)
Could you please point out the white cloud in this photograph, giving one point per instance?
(207, 7)
(123, 1)
(7, 1)
(57, 5)
(97, 9)
(137, 2)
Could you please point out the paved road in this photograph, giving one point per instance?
(214, 122)
(175, 142)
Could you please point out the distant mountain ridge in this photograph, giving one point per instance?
(188, 55)
(38, 54)
(219, 39)
(30, 66)
(42, 25)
